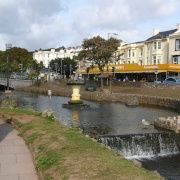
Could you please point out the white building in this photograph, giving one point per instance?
(174, 47)
(46, 56)
(157, 49)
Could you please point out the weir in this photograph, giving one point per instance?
(139, 145)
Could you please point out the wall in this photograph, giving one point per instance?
(15, 83)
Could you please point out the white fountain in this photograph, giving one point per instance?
(76, 102)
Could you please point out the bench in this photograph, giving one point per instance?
(90, 88)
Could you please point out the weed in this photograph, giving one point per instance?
(32, 138)
(46, 162)
(48, 177)
(50, 118)
(9, 120)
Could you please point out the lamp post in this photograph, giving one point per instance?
(70, 69)
(61, 68)
(55, 67)
(112, 33)
(64, 71)
(21, 65)
(8, 47)
(49, 68)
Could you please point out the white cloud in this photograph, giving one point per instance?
(34, 24)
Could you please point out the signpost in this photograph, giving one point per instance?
(110, 85)
(156, 73)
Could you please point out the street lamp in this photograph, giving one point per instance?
(112, 33)
(64, 71)
(8, 47)
(70, 68)
(61, 68)
(56, 67)
(21, 65)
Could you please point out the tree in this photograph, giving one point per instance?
(36, 68)
(99, 52)
(17, 56)
(67, 65)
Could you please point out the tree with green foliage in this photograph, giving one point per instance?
(17, 56)
(35, 70)
(67, 65)
(99, 52)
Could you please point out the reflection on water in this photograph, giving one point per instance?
(101, 118)
(75, 118)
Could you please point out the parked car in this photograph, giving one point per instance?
(172, 80)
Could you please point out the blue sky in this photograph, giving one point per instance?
(34, 24)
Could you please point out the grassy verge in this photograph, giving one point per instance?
(63, 153)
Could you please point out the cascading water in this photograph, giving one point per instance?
(142, 144)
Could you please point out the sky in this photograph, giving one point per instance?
(35, 24)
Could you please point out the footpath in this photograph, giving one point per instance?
(16, 162)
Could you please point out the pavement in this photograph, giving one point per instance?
(16, 161)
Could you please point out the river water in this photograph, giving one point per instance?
(106, 118)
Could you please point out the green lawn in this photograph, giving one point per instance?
(63, 153)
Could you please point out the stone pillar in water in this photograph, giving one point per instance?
(76, 89)
(76, 96)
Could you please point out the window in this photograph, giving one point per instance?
(154, 59)
(177, 44)
(129, 53)
(140, 63)
(159, 45)
(133, 54)
(141, 53)
(159, 60)
(154, 45)
(176, 59)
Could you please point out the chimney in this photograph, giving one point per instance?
(178, 26)
(155, 31)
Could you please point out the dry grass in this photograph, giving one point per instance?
(60, 87)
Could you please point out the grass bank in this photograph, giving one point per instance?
(63, 153)
(62, 89)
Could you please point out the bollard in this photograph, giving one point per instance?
(49, 93)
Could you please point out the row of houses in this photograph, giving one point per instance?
(162, 48)
(47, 55)
(159, 53)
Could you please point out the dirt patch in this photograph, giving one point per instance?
(25, 118)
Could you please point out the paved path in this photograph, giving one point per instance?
(16, 162)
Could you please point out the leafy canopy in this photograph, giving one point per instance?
(17, 56)
(99, 51)
(67, 65)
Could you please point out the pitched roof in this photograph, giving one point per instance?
(162, 35)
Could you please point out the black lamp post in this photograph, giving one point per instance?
(64, 71)
(21, 66)
(70, 69)
(8, 47)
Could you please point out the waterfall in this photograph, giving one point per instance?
(142, 144)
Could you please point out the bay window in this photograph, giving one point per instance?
(177, 44)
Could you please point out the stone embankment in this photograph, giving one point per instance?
(170, 103)
(164, 102)
(170, 123)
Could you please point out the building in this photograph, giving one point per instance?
(48, 55)
(155, 58)
(174, 47)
